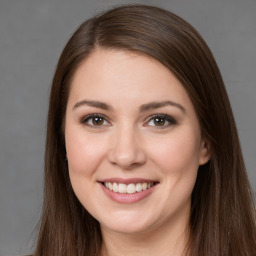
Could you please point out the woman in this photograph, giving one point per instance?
(142, 152)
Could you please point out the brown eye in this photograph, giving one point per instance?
(159, 121)
(97, 121)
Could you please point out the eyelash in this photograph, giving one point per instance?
(87, 118)
(166, 118)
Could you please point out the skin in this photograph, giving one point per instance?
(131, 143)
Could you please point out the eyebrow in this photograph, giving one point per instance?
(93, 103)
(143, 108)
(156, 104)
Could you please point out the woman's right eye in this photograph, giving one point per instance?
(95, 121)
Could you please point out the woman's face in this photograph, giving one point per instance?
(133, 142)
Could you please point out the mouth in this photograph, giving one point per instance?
(128, 191)
(130, 188)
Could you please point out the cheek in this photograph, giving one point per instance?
(178, 154)
(84, 156)
(177, 160)
(83, 152)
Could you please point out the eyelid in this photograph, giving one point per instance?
(171, 121)
(85, 119)
(167, 117)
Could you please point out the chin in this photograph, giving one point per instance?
(126, 228)
(128, 223)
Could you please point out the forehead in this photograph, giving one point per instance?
(110, 75)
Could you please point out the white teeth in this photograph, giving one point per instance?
(122, 189)
(131, 189)
(144, 186)
(128, 189)
(150, 185)
(110, 186)
(138, 187)
(115, 187)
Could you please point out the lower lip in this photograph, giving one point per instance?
(127, 198)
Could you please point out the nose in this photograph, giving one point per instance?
(126, 150)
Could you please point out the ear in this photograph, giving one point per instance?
(205, 152)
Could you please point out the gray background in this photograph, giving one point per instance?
(32, 35)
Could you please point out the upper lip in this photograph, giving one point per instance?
(128, 180)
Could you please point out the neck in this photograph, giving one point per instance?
(158, 241)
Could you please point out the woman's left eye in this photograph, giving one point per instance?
(161, 121)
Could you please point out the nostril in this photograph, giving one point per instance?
(127, 158)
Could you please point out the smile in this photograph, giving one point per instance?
(131, 188)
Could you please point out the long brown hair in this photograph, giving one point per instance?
(222, 218)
